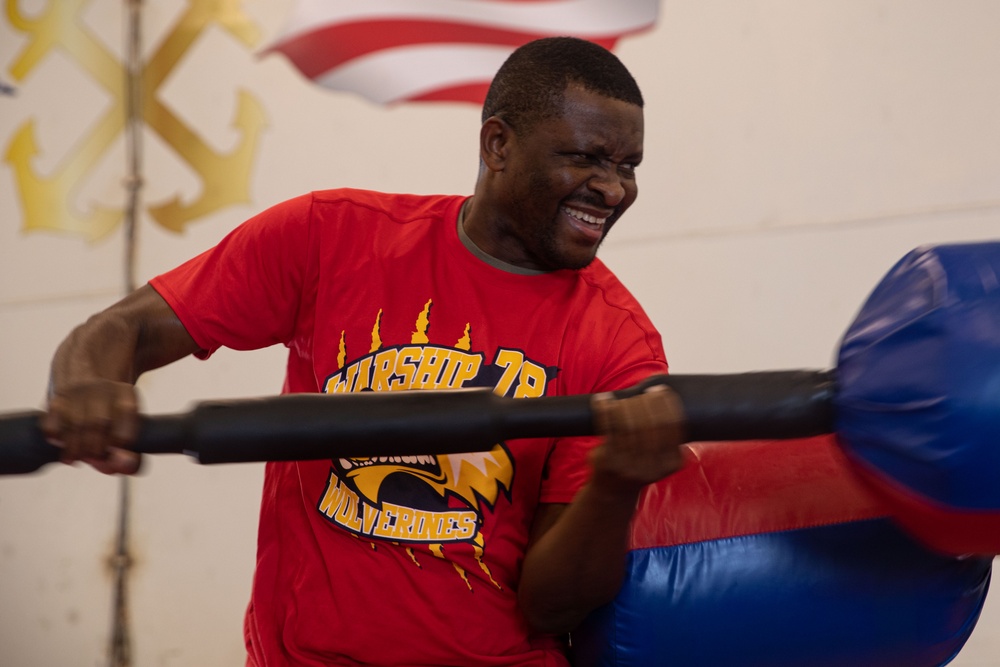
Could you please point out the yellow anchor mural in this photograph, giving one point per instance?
(49, 200)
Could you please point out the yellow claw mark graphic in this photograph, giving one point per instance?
(413, 557)
(485, 568)
(419, 336)
(376, 338)
(225, 177)
(342, 351)
(462, 573)
(465, 342)
(438, 550)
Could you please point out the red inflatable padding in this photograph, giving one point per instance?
(763, 486)
(775, 554)
(950, 531)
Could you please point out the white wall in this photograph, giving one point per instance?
(794, 151)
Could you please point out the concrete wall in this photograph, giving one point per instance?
(794, 151)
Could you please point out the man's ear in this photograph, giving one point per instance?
(495, 137)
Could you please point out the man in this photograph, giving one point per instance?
(476, 559)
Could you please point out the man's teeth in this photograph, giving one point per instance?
(580, 215)
(347, 464)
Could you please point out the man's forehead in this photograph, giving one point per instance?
(593, 108)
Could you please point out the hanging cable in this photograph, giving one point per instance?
(133, 135)
(120, 649)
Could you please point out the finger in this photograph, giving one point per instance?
(665, 409)
(62, 427)
(118, 462)
(93, 431)
(51, 422)
(601, 405)
(125, 418)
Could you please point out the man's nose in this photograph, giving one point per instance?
(609, 183)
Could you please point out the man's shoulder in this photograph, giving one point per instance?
(400, 207)
(598, 277)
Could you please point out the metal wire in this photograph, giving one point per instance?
(120, 649)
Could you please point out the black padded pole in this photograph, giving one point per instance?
(749, 406)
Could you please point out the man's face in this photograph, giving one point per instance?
(568, 179)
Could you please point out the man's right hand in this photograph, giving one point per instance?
(96, 422)
(93, 411)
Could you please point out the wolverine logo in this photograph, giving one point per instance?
(417, 499)
(425, 500)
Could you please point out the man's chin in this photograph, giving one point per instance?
(577, 263)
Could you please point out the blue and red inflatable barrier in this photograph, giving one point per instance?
(773, 554)
(918, 402)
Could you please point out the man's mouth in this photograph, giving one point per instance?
(425, 462)
(589, 225)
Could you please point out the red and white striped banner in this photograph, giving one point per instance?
(422, 50)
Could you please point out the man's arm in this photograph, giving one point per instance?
(576, 559)
(92, 404)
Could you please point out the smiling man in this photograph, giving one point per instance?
(486, 558)
(557, 173)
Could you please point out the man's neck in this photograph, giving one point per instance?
(482, 254)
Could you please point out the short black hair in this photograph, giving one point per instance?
(529, 86)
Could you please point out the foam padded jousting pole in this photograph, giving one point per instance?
(779, 404)
(914, 401)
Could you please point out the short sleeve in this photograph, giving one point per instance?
(245, 292)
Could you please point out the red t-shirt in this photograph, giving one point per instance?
(407, 561)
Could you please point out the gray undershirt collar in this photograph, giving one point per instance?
(489, 259)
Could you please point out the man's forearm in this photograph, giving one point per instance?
(576, 561)
(101, 348)
(579, 563)
(137, 334)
